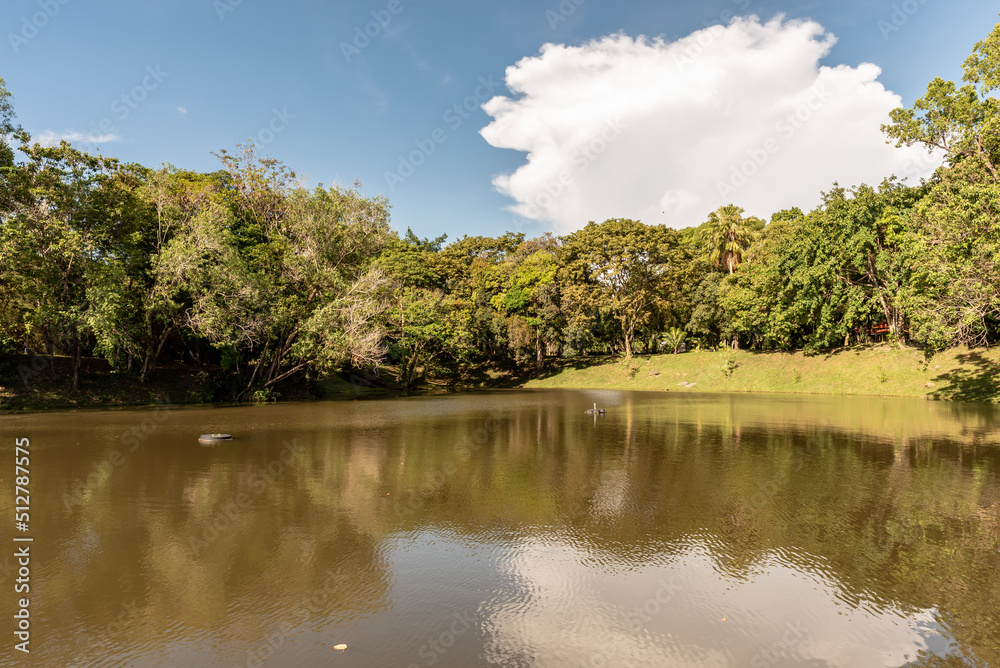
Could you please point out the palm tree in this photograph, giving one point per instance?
(730, 236)
(673, 338)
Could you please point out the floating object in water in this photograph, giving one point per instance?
(341, 646)
(595, 411)
(212, 439)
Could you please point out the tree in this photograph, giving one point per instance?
(175, 198)
(529, 295)
(730, 235)
(630, 269)
(11, 325)
(423, 322)
(786, 293)
(873, 253)
(963, 122)
(673, 338)
(279, 278)
(955, 292)
(708, 320)
(121, 275)
(56, 239)
(470, 273)
(10, 181)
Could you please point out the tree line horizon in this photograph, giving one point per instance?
(246, 270)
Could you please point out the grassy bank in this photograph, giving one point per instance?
(959, 374)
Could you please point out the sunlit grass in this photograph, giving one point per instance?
(882, 371)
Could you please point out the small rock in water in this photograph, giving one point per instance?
(341, 646)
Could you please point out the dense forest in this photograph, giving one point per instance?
(249, 273)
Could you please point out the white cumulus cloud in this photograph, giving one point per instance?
(51, 138)
(666, 132)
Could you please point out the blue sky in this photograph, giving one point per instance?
(201, 75)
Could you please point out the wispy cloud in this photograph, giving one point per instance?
(52, 138)
(182, 110)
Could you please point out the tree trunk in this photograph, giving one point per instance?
(410, 368)
(149, 349)
(539, 351)
(154, 352)
(77, 361)
(280, 352)
(260, 362)
(628, 334)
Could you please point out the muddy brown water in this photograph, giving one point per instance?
(510, 529)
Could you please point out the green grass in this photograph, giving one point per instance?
(959, 374)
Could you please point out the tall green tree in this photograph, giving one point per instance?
(423, 323)
(280, 278)
(11, 135)
(529, 296)
(58, 239)
(963, 122)
(470, 273)
(174, 198)
(633, 271)
(11, 328)
(873, 254)
(786, 294)
(956, 288)
(730, 235)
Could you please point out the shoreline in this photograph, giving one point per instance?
(959, 374)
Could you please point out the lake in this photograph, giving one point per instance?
(508, 528)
